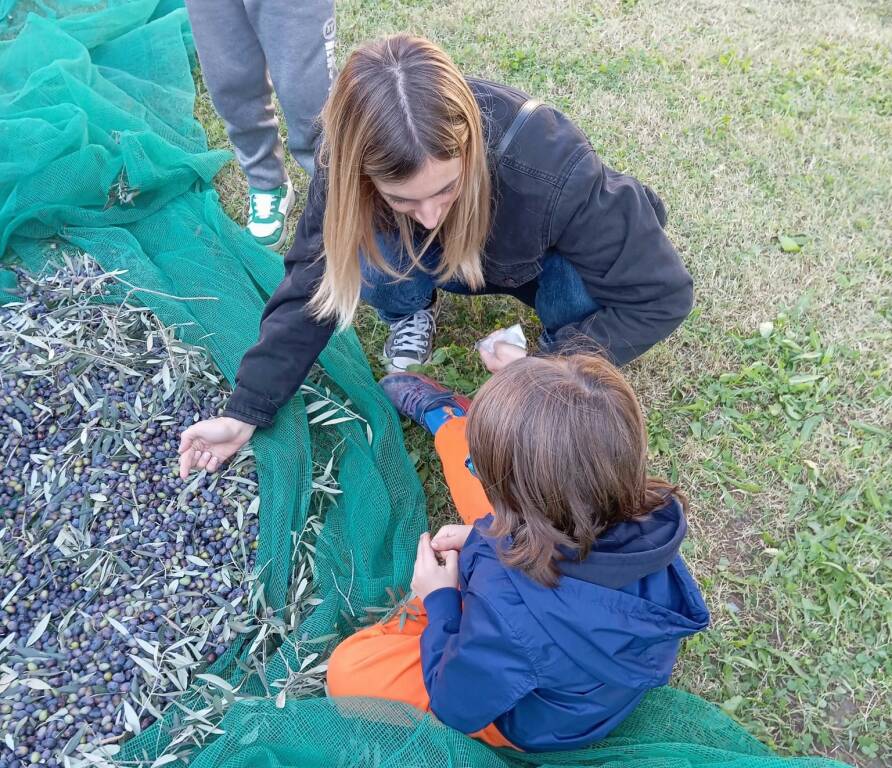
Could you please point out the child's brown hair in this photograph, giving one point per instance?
(560, 446)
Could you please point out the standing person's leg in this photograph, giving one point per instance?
(235, 72)
(298, 39)
(234, 68)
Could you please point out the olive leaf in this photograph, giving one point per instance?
(38, 631)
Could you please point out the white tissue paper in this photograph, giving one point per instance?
(513, 335)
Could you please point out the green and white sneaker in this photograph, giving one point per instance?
(269, 209)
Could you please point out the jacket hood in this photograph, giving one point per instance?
(630, 551)
(621, 613)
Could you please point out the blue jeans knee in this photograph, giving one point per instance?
(561, 298)
(397, 297)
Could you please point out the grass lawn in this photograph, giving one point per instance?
(767, 128)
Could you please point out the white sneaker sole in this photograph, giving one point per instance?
(397, 366)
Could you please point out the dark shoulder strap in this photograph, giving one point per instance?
(523, 115)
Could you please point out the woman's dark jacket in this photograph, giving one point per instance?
(551, 191)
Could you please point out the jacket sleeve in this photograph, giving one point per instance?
(471, 649)
(290, 340)
(609, 227)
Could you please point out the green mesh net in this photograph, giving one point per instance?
(669, 729)
(99, 148)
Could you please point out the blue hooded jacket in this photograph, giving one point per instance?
(559, 668)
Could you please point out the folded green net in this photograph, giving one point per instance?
(99, 149)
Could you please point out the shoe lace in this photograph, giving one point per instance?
(418, 394)
(262, 204)
(412, 400)
(412, 333)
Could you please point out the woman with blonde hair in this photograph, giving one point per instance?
(429, 180)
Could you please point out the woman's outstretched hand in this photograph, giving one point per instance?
(207, 444)
(503, 354)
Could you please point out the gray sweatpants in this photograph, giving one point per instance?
(247, 47)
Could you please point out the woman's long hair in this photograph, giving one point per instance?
(397, 103)
(560, 447)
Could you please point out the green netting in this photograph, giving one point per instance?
(669, 729)
(99, 148)
(103, 100)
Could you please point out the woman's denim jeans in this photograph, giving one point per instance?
(558, 294)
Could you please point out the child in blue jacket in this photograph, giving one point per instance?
(563, 600)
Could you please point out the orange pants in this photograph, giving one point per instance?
(384, 661)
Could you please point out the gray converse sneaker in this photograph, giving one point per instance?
(411, 340)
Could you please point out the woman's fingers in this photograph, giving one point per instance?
(186, 440)
(191, 438)
(188, 446)
(185, 464)
(205, 446)
(196, 457)
(489, 359)
(508, 353)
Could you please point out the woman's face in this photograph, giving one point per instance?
(426, 196)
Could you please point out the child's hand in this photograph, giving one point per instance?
(429, 575)
(451, 537)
